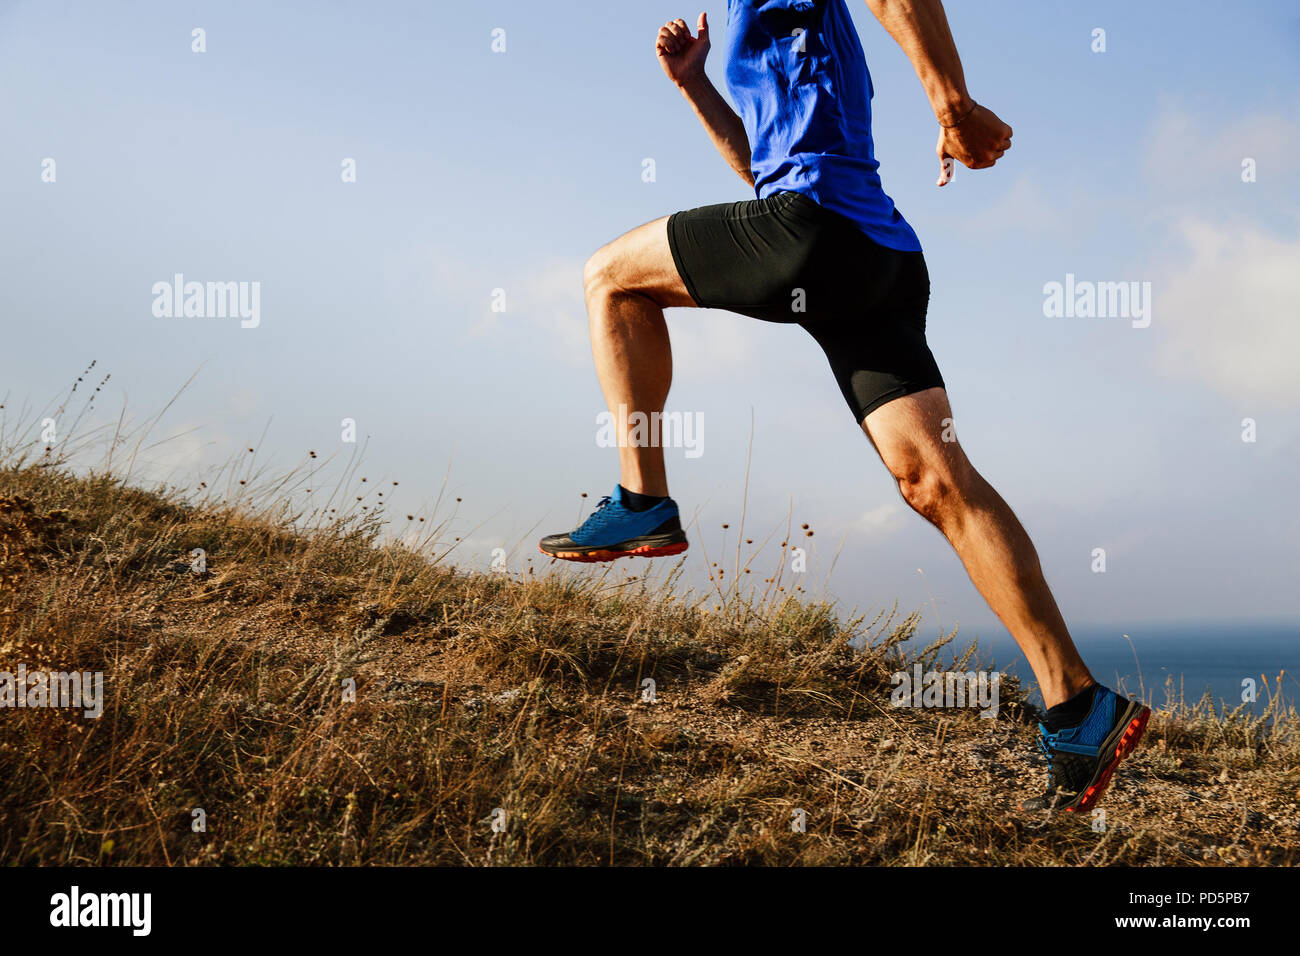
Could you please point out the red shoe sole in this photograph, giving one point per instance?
(1127, 744)
(591, 557)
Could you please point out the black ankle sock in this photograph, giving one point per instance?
(638, 502)
(1070, 713)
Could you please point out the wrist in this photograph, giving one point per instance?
(692, 84)
(954, 109)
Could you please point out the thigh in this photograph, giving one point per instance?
(746, 257)
(640, 261)
(871, 325)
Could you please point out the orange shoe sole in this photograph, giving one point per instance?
(591, 557)
(1126, 745)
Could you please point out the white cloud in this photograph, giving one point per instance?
(1029, 206)
(1229, 314)
(1225, 311)
(550, 299)
(707, 343)
(179, 454)
(881, 521)
(1185, 153)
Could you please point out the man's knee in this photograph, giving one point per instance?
(600, 278)
(925, 491)
(638, 264)
(933, 487)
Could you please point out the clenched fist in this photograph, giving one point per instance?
(680, 54)
(977, 141)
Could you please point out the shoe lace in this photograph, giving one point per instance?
(598, 516)
(1045, 747)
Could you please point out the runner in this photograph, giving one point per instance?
(822, 224)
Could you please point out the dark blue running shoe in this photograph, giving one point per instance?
(1081, 759)
(613, 531)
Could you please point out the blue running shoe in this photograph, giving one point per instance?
(1081, 759)
(613, 531)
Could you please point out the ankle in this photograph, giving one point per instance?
(647, 487)
(1072, 711)
(639, 501)
(1063, 689)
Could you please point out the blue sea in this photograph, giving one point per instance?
(1199, 657)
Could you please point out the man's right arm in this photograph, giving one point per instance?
(724, 126)
(682, 58)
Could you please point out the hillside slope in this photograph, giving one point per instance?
(491, 698)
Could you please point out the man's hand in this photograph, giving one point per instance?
(680, 54)
(977, 141)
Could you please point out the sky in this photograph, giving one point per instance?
(487, 176)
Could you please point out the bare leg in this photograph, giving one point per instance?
(938, 482)
(629, 283)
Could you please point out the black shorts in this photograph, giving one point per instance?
(787, 259)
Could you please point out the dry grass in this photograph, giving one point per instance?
(484, 691)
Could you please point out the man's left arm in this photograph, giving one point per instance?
(969, 133)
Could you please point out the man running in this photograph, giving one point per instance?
(822, 232)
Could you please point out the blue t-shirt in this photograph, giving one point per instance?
(799, 77)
